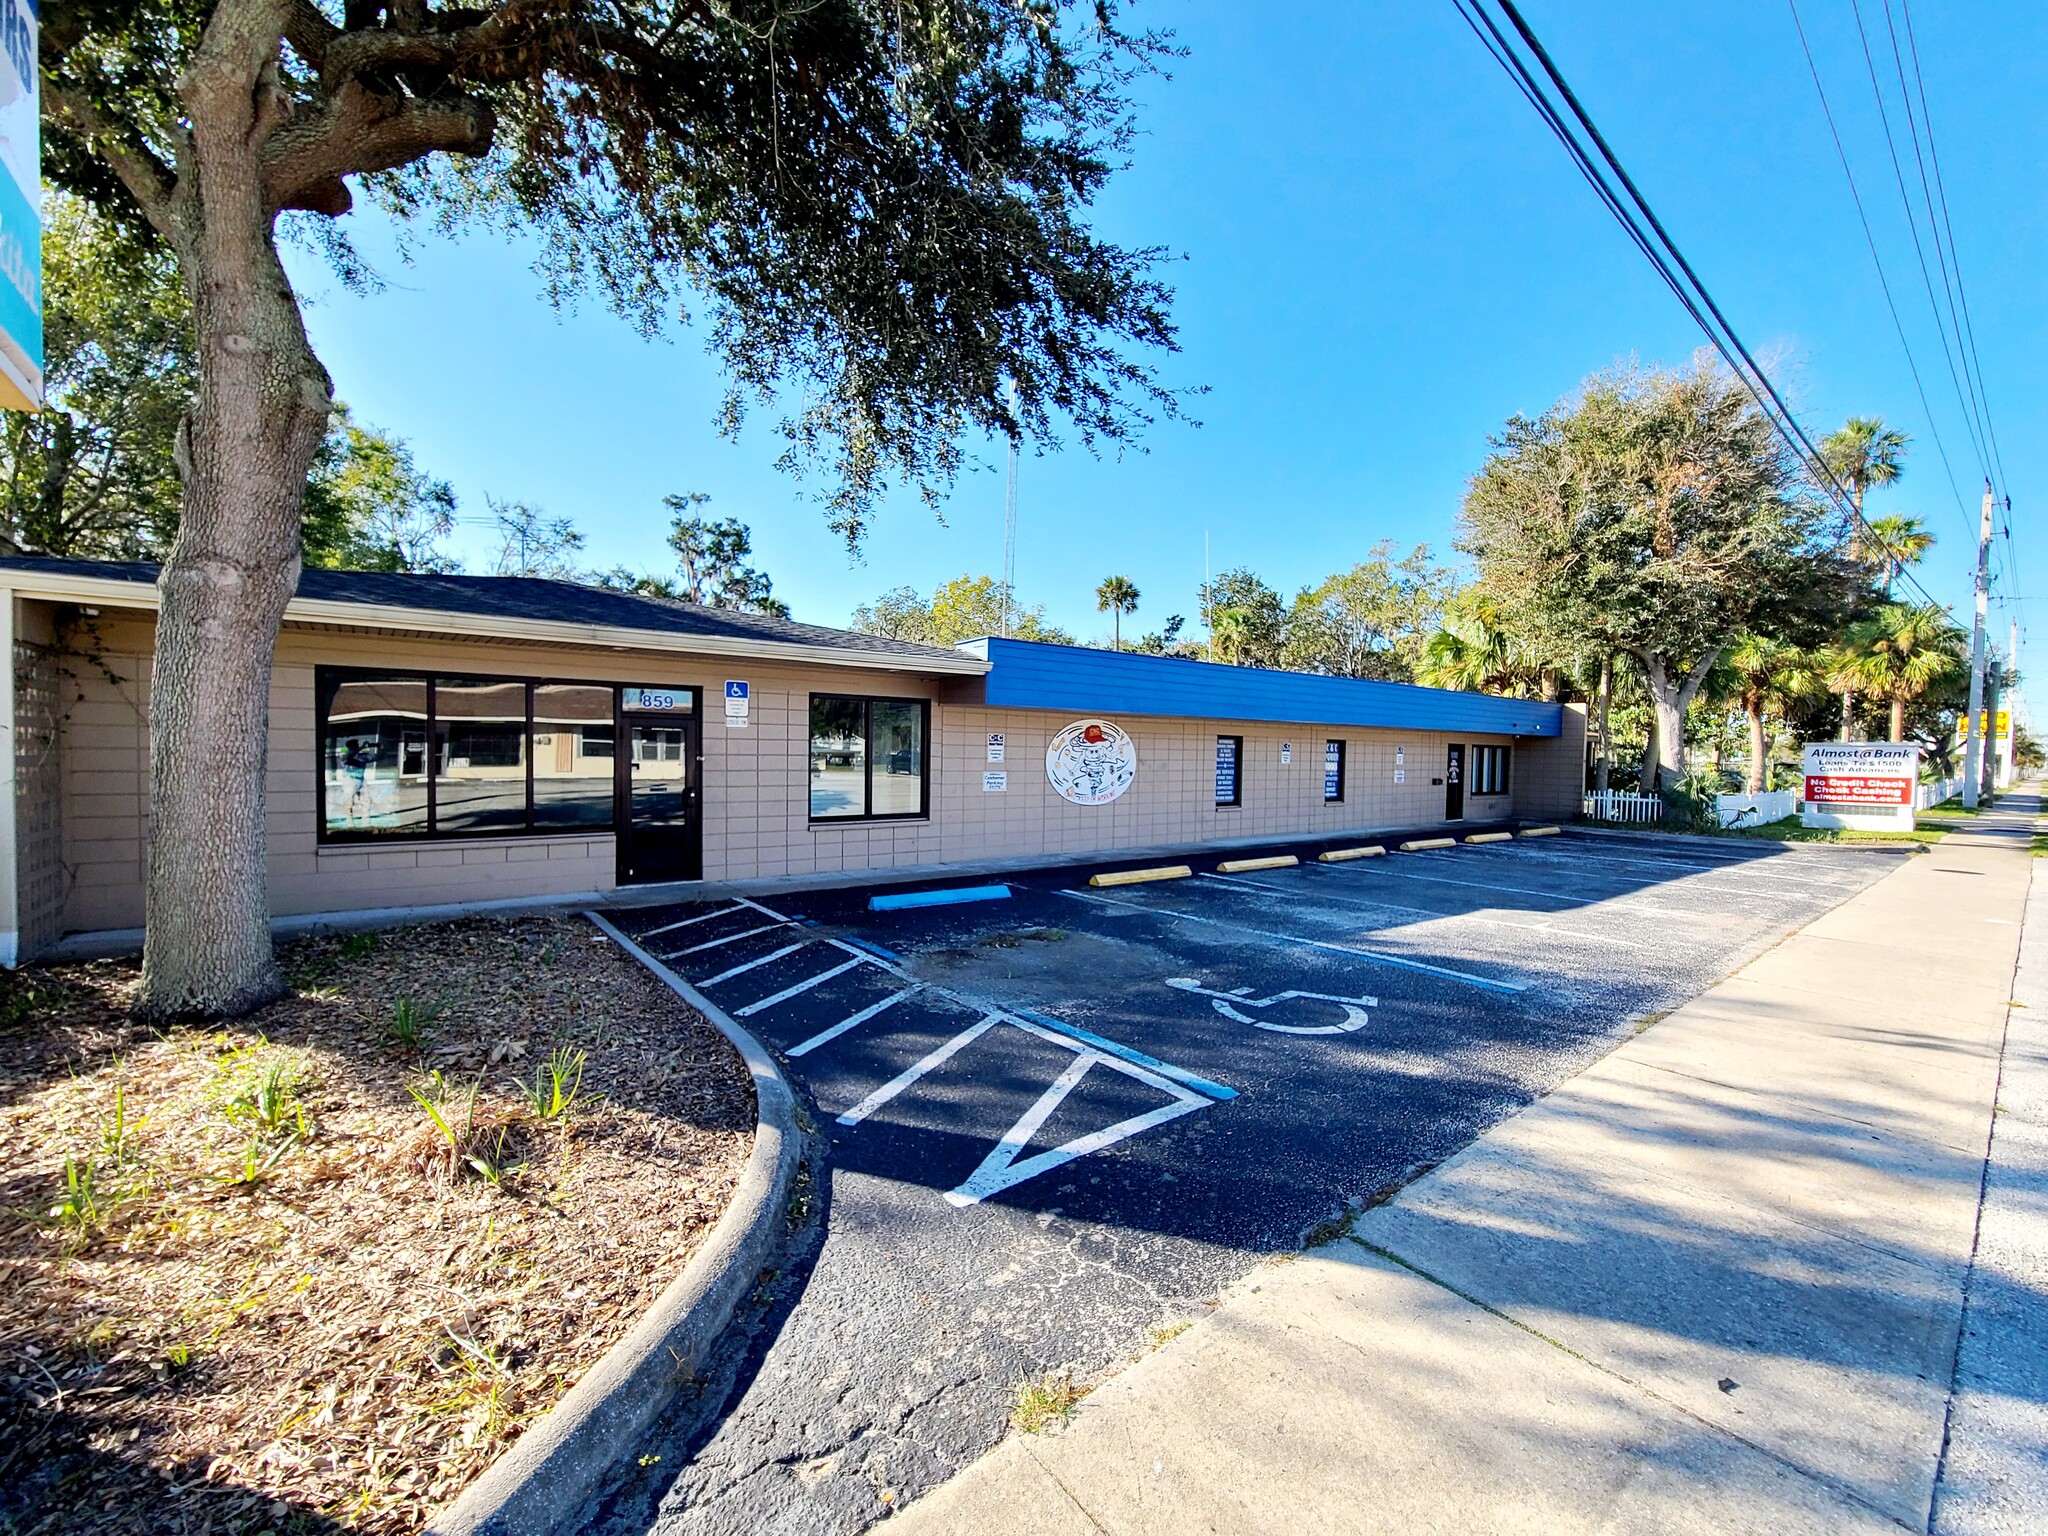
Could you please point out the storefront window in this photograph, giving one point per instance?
(573, 755)
(410, 756)
(374, 755)
(867, 757)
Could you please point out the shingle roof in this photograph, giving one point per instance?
(528, 598)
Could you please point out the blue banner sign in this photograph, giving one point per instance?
(21, 224)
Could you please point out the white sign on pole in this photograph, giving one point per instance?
(996, 781)
(1866, 785)
(995, 746)
(737, 699)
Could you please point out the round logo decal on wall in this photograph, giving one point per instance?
(1091, 762)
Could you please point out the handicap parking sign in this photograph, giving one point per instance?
(736, 699)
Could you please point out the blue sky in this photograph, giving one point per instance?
(1381, 254)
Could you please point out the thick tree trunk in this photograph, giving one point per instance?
(257, 417)
(1848, 713)
(1898, 719)
(1758, 751)
(1671, 691)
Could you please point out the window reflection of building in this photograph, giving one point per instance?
(374, 754)
(867, 757)
(573, 753)
(506, 755)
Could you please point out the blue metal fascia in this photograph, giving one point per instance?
(1026, 674)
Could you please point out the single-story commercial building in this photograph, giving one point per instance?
(437, 740)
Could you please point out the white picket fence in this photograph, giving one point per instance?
(1617, 805)
(1932, 792)
(1756, 810)
(1772, 805)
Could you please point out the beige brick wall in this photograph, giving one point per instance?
(1554, 771)
(756, 783)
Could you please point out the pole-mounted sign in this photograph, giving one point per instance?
(21, 225)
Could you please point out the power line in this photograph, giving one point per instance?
(1692, 293)
(1954, 254)
(1963, 397)
(1884, 283)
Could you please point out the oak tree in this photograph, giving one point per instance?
(877, 208)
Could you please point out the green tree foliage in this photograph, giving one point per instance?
(1247, 620)
(1373, 620)
(1658, 516)
(94, 473)
(1865, 455)
(711, 564)
(1116, 596)
(1904, 653)
(878, 211)
(369, 507)
(1902, 542)
(1762, 678)
(1475, 650)
(1166, 640)
(965, 608)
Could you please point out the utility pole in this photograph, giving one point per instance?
(1010, 531)
(1973, 754)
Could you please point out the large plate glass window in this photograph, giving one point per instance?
(867, 758)
(373, 755)
(479, 756)
(405, 755)
(574, 749)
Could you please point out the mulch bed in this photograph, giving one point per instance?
(248, 1281)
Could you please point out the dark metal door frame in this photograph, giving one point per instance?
(692, 726)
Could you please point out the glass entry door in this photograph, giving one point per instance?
(661, 835)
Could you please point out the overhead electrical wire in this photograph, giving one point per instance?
(1884, 283)
(1655, 242)
(1941, 196)
(1964, 397)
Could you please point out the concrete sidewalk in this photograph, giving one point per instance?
(1713, 1284)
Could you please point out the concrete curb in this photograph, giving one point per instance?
(1694, 839)
(545, 1478)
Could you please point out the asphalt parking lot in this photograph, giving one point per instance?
(1063, 1119)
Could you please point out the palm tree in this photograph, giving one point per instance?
(1841, 666)
(1902, 541)
(1766, 676)
(1906, 650)
(1472, 650)
(1865, 455)
(1117, 596)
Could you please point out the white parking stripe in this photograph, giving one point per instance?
(1405, 871)
(825, 1036)
(688, 922)
(1532, 856)
(1394, 906)
(796, 991)
(912, 1073)
(1376, 956)
(741, 970)
(730, 938)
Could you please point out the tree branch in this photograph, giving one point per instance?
(148, 180)
(310, 33)
(362, 131)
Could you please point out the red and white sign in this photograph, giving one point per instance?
(1866, 784)
(1858, 789)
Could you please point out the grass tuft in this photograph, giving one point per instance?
(1040, 1403)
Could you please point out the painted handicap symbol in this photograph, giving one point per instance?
(1231, 1003)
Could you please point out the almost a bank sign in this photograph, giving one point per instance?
(21, 226)
(1862, 784)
